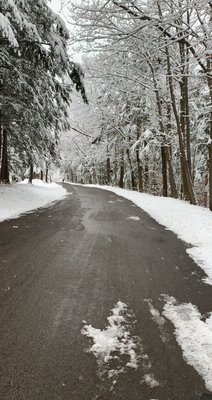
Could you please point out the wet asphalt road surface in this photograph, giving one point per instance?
(72, 262)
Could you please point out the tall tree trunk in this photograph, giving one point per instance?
(138, 160)
(209, 77)
(133, 182)
(146, 170)
(205, 196)
(172, 182)
(0, 135)
(94, 175)
(4, 161)
(41, 175)
(47, 172)
(108, 170)
(186, 176)
(115, 167)
(31, 172)
(163, 139)
(164, 170)
(184, 102)
(121, 175)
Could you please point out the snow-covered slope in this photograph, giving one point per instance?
(19, 198)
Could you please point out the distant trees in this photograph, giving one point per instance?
(153, 77)
(36, 79)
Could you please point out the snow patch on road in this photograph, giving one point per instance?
(150, 380)
(158, 319)
(194, 335)
(116, 349)
(113, 342)
(134, 218)
(19, 198)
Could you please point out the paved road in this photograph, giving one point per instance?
(73, 262)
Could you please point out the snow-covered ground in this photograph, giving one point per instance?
(18, 198)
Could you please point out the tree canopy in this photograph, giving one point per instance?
(36, 81)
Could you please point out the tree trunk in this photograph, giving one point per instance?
(133, 182)
(205, 197)
(164, 170)
(47, 172)
(184, 111)
(163, 138)
(108, 170)
(172, 182)
(121, 176)
(41, 175)
(138, 160)
(210, 166)
(115, 167)
(4, 161)
(31, 172)
(209, 77)
(186, 176)
(0, 135)
(146, 170)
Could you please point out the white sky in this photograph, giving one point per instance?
(55, 5)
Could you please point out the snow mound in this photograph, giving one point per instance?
(18, 198)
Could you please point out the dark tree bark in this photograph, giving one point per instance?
(186, 175)
(172, 182)
(31, 172)
(164, 170)
(163, 139)
(146, 170)
(210, 140)
(115, 166)
(138, 161)
(121, 176)
(4, 161)
(0, 135)
(108, 171)
(133, 181)
(41, 174)
(46, 176)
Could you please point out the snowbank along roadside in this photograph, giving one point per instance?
(18, 198)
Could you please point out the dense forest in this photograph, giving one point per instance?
(149, 70)
(36, 81)
(148, 125)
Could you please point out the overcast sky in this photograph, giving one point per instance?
(55, 5)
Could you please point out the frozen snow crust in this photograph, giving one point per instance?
(18, 198)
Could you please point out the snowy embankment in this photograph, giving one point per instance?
(18, 198)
